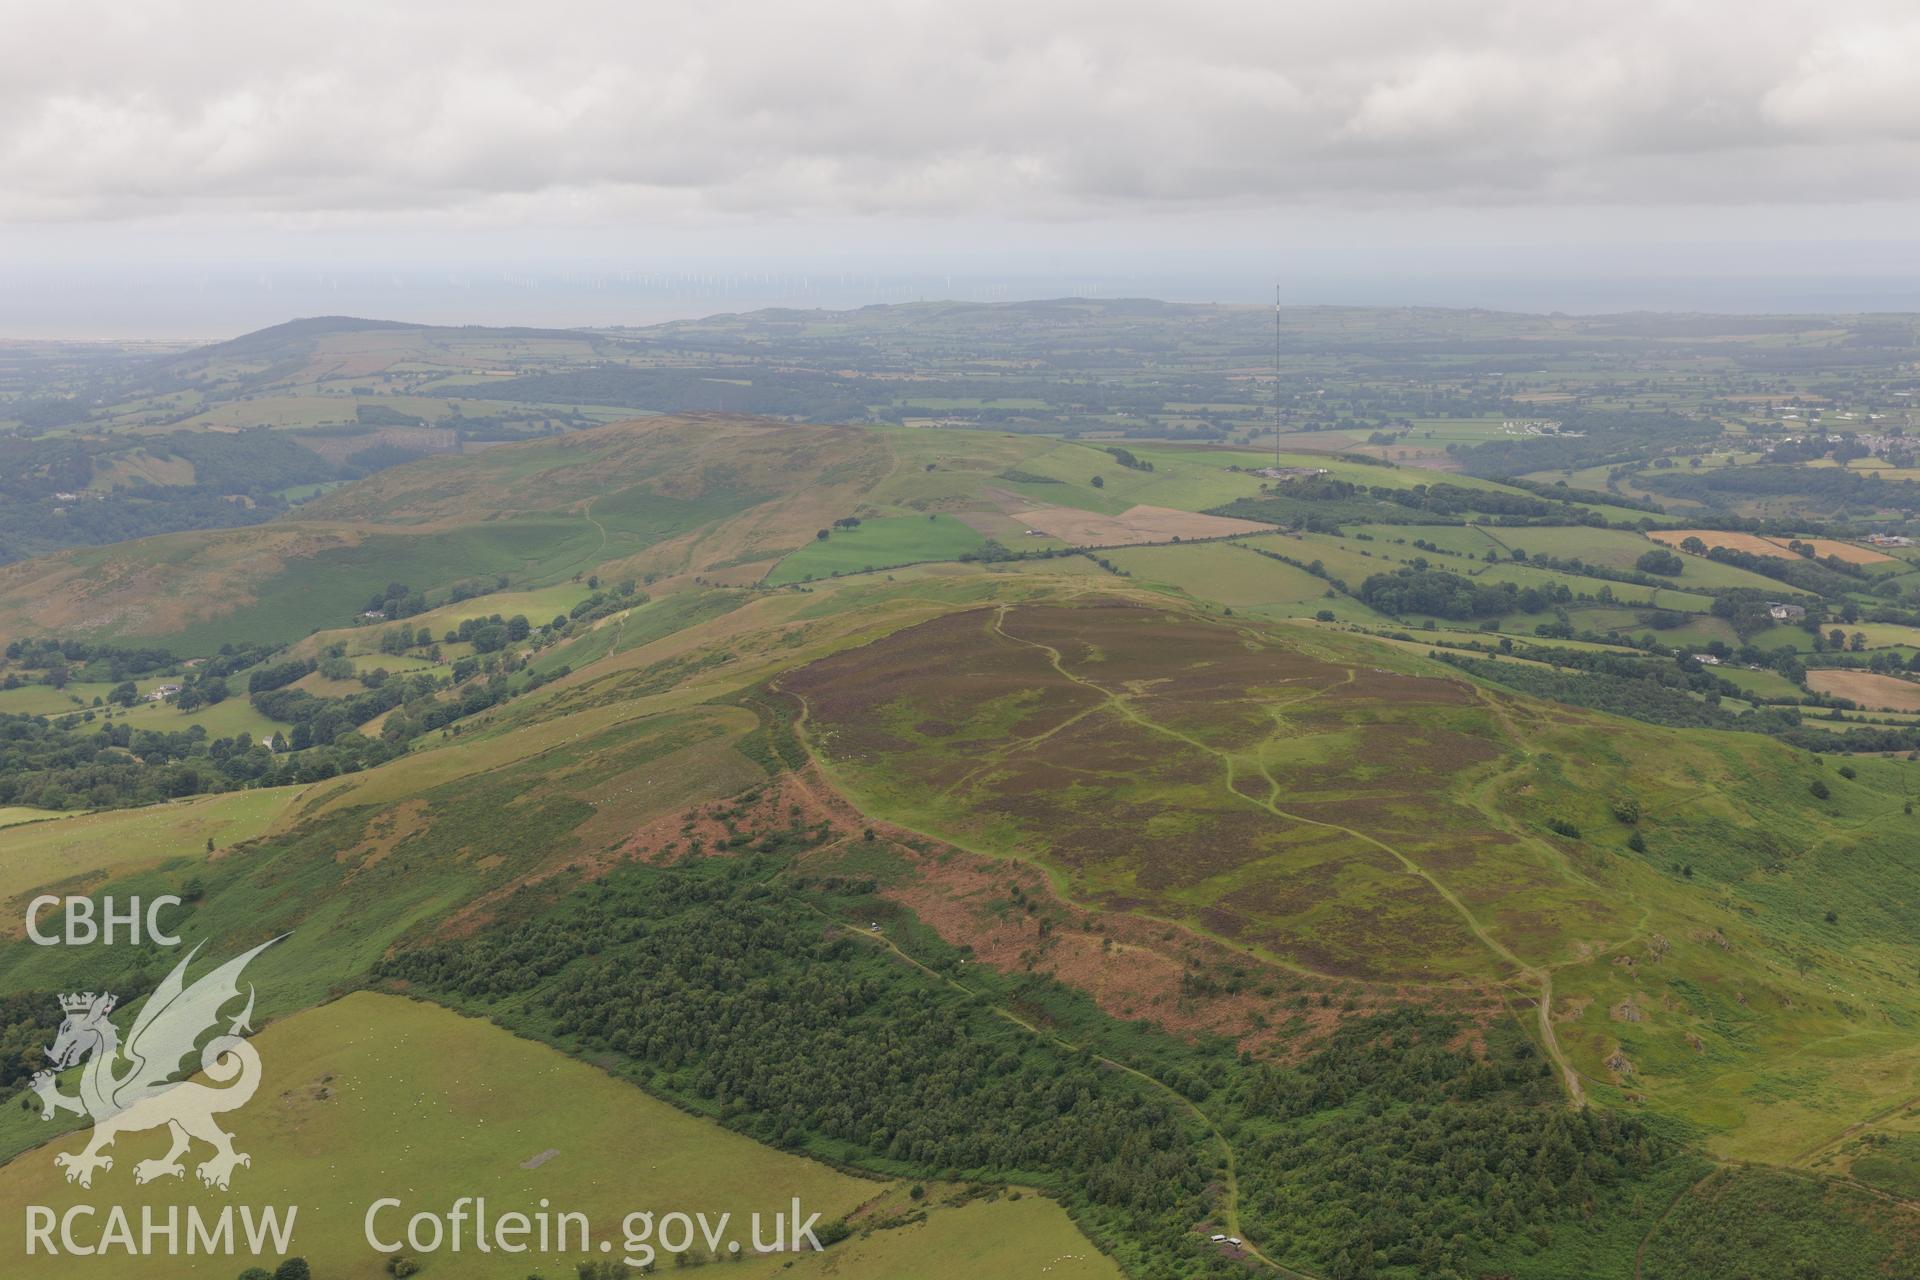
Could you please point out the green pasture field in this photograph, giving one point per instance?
(45, 700)
(878, 544)
(1881, 635)
(376, 1096)
(1766, 1052)
(325, 687)
(1463, 430)
(1787, 637)
(231, 715)
(964, 469)
(1697, 634)
(1625, 592)
(80, 850)
(1465, 541)
(1617, 549)
(1392, 548)
(1227, 573)
(1348, 559)
(636, 518)
(1769, 685)
(1393, 477)
(12, 815)
(234, 714)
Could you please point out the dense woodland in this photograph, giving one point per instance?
(1385, 1153)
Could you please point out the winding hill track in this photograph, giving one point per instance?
(1541, 976)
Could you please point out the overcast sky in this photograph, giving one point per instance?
(1202, 142)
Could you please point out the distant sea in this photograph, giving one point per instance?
(194, 301)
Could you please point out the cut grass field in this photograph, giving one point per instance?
(377, 1096)
(1868, 689)
(1137, 524)
(1851, 552)
(884, 543)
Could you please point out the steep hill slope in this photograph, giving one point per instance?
(533, 514)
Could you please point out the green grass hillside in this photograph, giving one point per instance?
(660, 496)
(374, 1096)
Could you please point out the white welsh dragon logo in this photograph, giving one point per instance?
(128, 1088)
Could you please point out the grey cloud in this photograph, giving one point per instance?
(584, 110)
